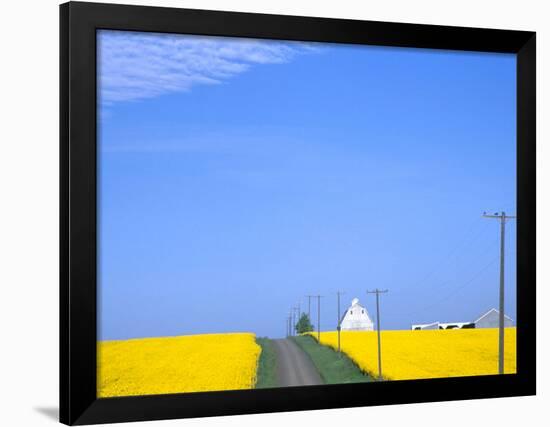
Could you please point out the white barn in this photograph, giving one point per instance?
(490, 320)
(356, 318)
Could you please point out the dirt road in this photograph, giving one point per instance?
(294, 367)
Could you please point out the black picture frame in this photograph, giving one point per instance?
(78, 25)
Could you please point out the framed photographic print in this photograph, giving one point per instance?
(268, 213)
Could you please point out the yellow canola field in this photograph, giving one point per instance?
(428, 353)
(177, 364)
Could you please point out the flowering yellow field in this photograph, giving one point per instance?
(177, 364)
(428, 354)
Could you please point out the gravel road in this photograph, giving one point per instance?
(294, 367)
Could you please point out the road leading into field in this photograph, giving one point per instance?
(294, 367)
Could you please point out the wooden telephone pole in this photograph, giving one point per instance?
(378, 292)
(296, 317)
(318, 316)
(338, 327)
(502, 217)
(309, 305)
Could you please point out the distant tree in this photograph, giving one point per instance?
(304, 325)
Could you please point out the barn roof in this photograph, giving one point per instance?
(354, 303)
(489, 312)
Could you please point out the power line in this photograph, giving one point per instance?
(450, 255)
(462, 286)
(454, 290)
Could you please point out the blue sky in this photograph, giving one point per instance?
(238, 176)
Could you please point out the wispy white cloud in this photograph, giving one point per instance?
(134, 66)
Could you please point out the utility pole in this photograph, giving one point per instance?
(293, 314)
(318, 317)
(502, 217)
(309, 306)
(378, 292)
(289, 325)
(338, 327)
(286, 326)
(297, 311)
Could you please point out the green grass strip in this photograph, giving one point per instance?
(334, 368)
(266, 376)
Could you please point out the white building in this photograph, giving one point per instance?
(425, 326)
(457, 325)
(487, 320)
(356, 318)
(490, 320)
(439, 325)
